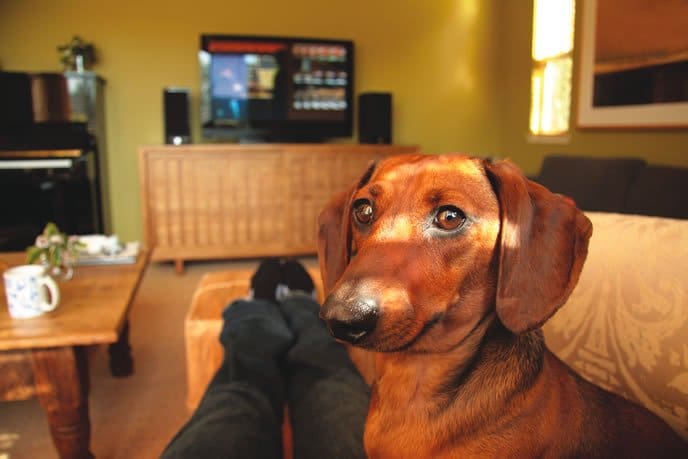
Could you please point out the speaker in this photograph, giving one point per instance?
(177, 122)
(375, 117)
(16, 108)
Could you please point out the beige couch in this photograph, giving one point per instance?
(625, 326)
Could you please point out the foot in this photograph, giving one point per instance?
(295, 280)
(265, 279)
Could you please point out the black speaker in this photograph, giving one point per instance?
(16, 108)
(177, 122)
(375, 117)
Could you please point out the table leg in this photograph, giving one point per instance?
(121, 361)
(62, 385)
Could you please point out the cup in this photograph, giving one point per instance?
(30, 291)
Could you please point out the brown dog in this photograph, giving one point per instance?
(446, 267)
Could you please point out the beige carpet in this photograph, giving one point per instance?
(131, 417)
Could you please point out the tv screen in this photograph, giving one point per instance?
(276, 89)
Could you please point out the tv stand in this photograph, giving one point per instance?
(273, 140)
(251, 137)
(243, 201)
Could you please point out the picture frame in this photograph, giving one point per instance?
(647, 114)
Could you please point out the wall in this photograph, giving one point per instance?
(438, 58)
(459, 71)
(515, 22)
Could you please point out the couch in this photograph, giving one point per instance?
(624, 185)
(625, 326)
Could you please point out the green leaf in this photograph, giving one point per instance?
(32, 254)
(51, 229)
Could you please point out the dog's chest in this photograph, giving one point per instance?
(419, 438)
(399, 424)
(394, 437)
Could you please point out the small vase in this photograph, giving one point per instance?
(62, 272)
(79, 63)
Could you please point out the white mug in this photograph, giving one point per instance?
(27, 288)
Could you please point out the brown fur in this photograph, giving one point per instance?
(461, 369)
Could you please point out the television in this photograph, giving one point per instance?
(276, 89)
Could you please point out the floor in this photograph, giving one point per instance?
(131, 417)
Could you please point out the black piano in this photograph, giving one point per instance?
(48, 167)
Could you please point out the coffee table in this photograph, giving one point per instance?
(47, 356)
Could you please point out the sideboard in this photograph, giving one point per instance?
(223, 201)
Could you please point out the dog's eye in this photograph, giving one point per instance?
(449, 218)
(363, 211)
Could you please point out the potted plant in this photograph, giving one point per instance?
(56, 251)
(77, 54)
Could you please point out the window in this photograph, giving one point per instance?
(552, 54)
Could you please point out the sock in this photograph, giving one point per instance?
(295, 279)
(265, 279)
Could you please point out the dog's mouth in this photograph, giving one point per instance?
(395, 344)
(357, 338)
(377, 317)
(393, 339)
(427, 326)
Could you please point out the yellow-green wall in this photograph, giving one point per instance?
(515, 22)
(458, 69)
(437, 58)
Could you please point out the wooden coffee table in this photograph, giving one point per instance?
(47, 356)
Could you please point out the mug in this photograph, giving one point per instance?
(27, 288)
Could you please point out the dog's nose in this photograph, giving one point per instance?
(352, 320)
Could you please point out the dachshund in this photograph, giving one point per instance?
(442, 269)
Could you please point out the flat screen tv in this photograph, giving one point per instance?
(276, 89)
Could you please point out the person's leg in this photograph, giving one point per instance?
(240, 415)
(326, 396)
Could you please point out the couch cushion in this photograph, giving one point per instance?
(596, 184)
(660, 191)
(625, 326)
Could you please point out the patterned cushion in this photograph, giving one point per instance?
(625, 326)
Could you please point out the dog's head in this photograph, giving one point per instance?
(422, 248)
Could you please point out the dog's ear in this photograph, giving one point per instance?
(333, 239)
(334, 232)
(543, 243)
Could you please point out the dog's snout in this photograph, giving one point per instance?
(350, 320)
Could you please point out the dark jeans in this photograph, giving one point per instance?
(277, 354)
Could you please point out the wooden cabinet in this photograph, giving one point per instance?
(243, 201)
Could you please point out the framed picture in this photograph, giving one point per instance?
(633, 64)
